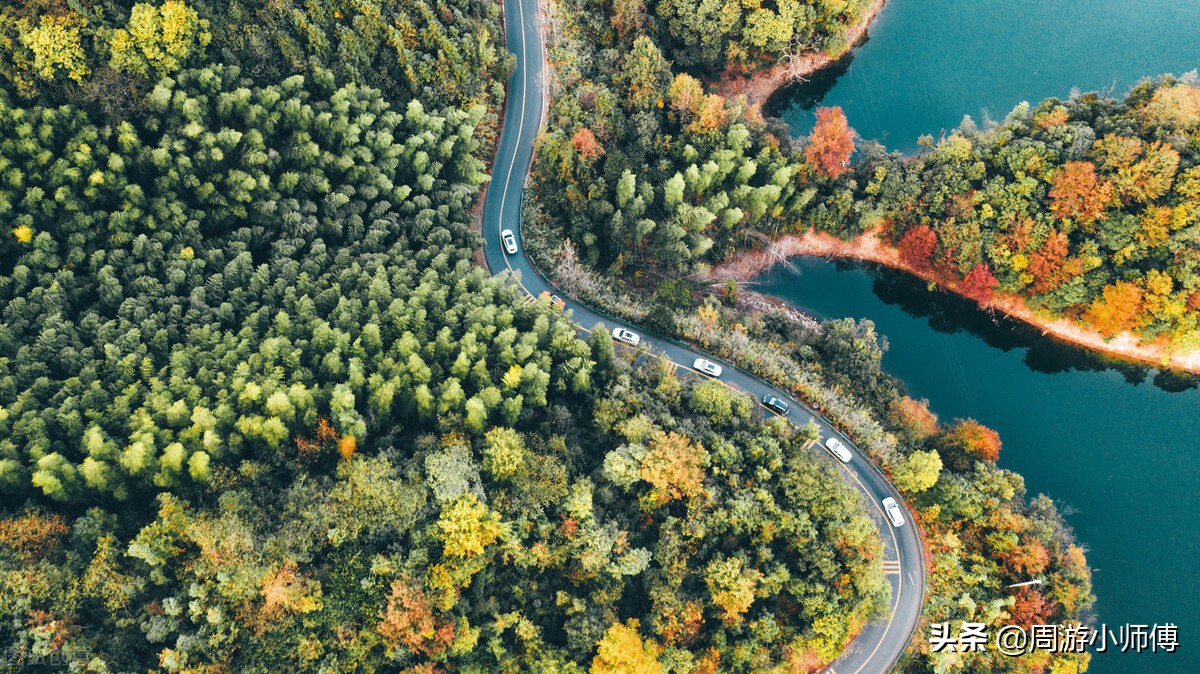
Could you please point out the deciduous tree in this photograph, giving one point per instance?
(830, 143)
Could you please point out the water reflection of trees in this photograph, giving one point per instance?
(808, 94)
(948, 314)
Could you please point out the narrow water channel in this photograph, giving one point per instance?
(1114, 444)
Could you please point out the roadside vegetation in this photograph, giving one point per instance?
(259, 411)
(644, 180)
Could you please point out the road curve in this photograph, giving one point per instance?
(879, 645)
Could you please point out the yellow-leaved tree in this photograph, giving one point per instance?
(674, 466)
(57, 47)
(623, 651)
(731, 585)
(161, 39)
(467, 527)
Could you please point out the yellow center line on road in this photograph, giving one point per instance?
(899, 577)
(889, 564)
(870, 498)
(520, 131)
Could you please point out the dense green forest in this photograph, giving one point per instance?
(264, 413)
(739, 36)
(104, 55)
(1088, 208)
(643, 171)
(259, 411)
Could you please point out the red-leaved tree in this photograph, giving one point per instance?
(831, 142)
(979, 283)
(917, 245)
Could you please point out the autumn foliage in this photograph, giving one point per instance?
(1072, 206)
(585, 143)
(1030, 607)
(622, 651)
(1173, 107)
(979, 283)
(1117, 309)
(913, 417)
(674, 465)
(831, 143)
(1076, 192)
(409, 621)
(1048, 264)
(917, 245)
(974, 439)
(310, 448)
(33, 535)
(347, 446)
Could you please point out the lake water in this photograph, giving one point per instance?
(929, 62)
(1115, 445)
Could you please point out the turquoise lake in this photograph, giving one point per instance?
(926, 63)
(1114, 444)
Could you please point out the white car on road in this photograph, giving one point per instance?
(704, 366)
(895, 514)
(510, 241)
(626, 336)
(839, 450)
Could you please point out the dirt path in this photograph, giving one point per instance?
(760, 85)
(871, 248)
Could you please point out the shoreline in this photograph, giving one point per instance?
(760, 85)
(869, 248)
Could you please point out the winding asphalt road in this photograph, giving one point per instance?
(881, 642)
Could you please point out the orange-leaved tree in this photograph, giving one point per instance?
(1076, 192)
(409, 621)
(1117, 309)
(585, 143)
(831, 143)
(1048, 264)
(972, 439)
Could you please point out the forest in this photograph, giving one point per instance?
(1087, 208)
(644, 171)
(259, 411)
(644, 179)
(105, 55)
